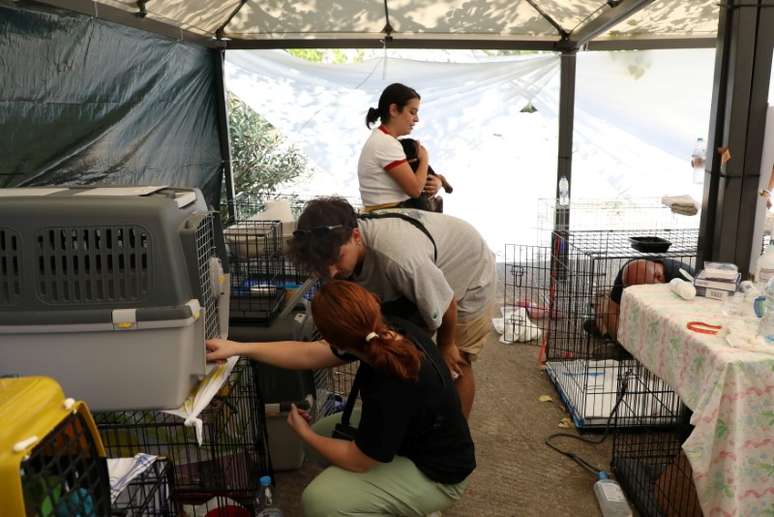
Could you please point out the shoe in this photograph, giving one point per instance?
(590, 326)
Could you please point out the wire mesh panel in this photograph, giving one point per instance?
(529, 291)
(206, 252)
(149, 494)
(583, 358)
(227, 465)
(64, 474)
(648, 461)
(257, 283)
(611, 214)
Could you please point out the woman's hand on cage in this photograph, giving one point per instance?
(299, 420)
(218, 350)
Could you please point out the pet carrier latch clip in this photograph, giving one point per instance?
(124, 319)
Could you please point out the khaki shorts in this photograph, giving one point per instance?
(470, 335)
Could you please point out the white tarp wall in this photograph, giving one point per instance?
(637, 118)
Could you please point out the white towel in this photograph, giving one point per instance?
(122, 471)
(683, 204)
(515, 326)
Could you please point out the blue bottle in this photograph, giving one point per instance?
(269, 509)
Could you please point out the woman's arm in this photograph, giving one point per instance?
(293, 355)
(342, 453)
(411, 183)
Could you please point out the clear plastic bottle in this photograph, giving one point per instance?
(698, 156)
(564, 192)
(267, 501)
(611, 499)
(765, 268)
(766, 325)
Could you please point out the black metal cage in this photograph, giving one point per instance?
(149, 494)
(225, 468)
(647, 457)
(565, 290)
(64, 474)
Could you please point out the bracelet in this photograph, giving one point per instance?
(765, 192)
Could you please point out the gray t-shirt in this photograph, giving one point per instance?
(399, 262)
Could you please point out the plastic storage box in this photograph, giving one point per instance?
(51, 458)
(111, 291)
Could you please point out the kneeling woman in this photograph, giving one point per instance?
(412, 451)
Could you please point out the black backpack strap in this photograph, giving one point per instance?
(351, 398)
(394, 215)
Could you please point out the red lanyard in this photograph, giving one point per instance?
(703, 328)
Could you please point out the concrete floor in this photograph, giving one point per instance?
(517, 474)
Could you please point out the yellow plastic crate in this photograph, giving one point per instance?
(52, 461)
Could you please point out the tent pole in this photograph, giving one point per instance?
(738, 120)
(559, 236)
(223, 132)
(566, 119)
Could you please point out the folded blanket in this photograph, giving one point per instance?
(684, 205)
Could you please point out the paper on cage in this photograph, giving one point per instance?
(121, 472)
(202, 395)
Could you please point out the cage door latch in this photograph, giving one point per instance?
(124, 319)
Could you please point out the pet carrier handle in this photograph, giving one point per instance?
(276, 408)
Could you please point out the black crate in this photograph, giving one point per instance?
(647, 457)
(64, 474)
(564, 289)
(149, 494)
(228, 464)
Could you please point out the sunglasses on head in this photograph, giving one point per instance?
(316, 231)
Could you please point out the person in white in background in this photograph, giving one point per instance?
(386, 179)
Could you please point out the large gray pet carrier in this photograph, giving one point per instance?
(111, 291)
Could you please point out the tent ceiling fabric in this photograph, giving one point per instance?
(249, 20)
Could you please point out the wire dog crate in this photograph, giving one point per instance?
(583, 358)
(53, 461)
(148, 495)
(647, 460)
(565, 289)
(257, 270)
(227, 465)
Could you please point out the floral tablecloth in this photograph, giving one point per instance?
(729, 390)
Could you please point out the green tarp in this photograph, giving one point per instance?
(84, 101)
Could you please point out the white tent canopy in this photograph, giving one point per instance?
(453, 23)
(500, 159)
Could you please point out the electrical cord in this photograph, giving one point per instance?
(577, 459)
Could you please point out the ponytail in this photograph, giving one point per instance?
(396, 93)
(349, 317)
(371, 117)
(392, 352)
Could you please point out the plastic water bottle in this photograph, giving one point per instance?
(564, 192)
(610, 497)
(266, 499)
(765, 269)
(766, 325)
(698, 156)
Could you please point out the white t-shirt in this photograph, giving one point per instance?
(399, 262)
(381, 152)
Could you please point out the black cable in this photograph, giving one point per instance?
(577, 459)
